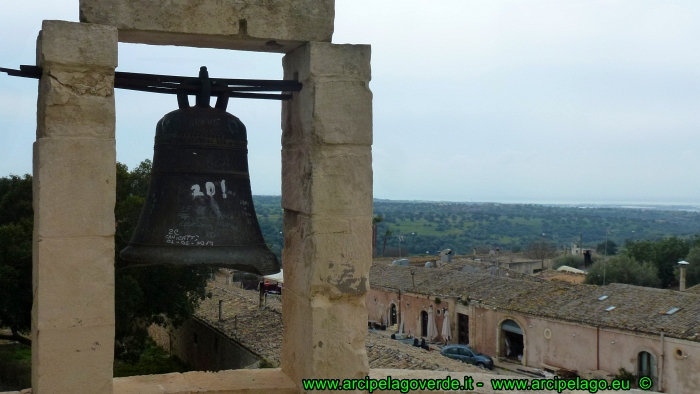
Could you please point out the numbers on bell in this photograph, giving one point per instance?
(209, 188)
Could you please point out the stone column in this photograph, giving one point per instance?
(74, 195)
(327, 201)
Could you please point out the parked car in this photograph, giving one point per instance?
(466, 354)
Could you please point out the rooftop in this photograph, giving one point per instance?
(261, 332)
(639, 309)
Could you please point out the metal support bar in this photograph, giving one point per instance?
(171, 84)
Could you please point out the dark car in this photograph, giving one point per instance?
(465, 354)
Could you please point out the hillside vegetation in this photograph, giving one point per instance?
(428, 227)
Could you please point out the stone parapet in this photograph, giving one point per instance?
(256, 25)
(477, 377)
(247, 381)
(239, 381)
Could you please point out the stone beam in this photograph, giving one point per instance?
(253, 25)
(327, 201)
(74, 195)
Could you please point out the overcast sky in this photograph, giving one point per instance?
(506, 101)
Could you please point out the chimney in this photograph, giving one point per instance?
(683, 265)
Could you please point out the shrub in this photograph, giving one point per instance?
(153, 360)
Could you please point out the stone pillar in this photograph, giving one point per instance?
(327, 201)
(74, 195)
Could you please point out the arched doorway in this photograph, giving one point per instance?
(513, 341)
(393, 320)
(424, 323)
(646, 365)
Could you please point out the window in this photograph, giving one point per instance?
(465, 352)
(645, 365)
(451, 351)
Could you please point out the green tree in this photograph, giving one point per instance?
(376, 219)
(607, 248)
(623, 269)
(143, 295)
(664, 254)
(16, 226)
(692, 276)
(387, 234)
(540, 249)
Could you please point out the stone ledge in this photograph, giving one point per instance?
(253, 381)
(247, 381)
(478, 377)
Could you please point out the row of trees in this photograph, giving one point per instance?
(143, 296)
(650, 263)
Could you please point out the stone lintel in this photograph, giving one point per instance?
(240, 381)
(255, 25)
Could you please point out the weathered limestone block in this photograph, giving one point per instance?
(77, 44)
(76, 101)
(346, 62)
(74, 180)
(72, 360)
(335, 104)
(329, 180)
(324, 338)
(76, 92)
(258, 25)
(332, 256)
(58, 305)
(329, 112)
(74, 195)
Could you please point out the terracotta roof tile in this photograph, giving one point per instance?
(640, 309)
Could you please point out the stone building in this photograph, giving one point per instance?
(553, 324)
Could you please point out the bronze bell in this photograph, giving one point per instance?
(199, 208)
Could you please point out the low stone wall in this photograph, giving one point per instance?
(203, 348)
